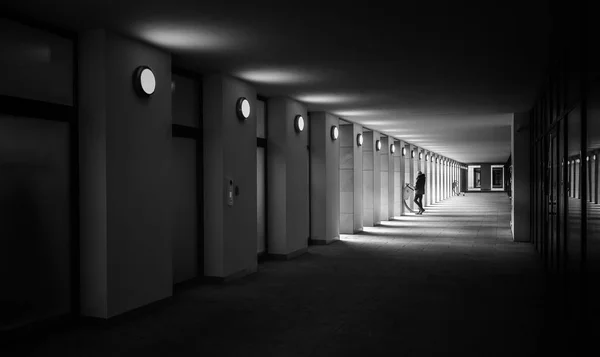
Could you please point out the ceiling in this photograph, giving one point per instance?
(443, 75)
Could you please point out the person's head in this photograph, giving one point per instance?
(419, 172)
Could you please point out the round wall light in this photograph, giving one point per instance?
(420, 156)
(334, 132)
(359, 139)
(392, 148)
(144, 81)
(298, 123)
(403, 151)
(377, 145)
(412, 153)
(243, 108)
(427, 157)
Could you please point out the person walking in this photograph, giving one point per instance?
(420, 191)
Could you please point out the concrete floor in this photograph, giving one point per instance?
(450, 282)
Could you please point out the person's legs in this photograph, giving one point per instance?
(418, 200)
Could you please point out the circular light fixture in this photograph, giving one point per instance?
(420, 156)
(335, 132)
(403, 151)
(587, 158)
(144, 81)
(412, 153)
(578, 161)
(243, 108)
(378, 145)
(392, 148)
(298, 123)
(359, 139)
(427, 157)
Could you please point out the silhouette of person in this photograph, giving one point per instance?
(420, 191)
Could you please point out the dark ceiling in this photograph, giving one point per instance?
(443, 75)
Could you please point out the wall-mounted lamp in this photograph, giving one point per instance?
(403, 151)
(378, 145)
(587, 158)
(298, 123)
(243, 108)
(427, 157)
(144, 81)
(392, 148)
(412, 154)
(420, 156)
(334, 132)
(359, 139)
(578, 161)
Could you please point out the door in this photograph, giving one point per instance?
(35, 220)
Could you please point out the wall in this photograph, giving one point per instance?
(325, 178)
(358, 179)
(347, 143)
(398, 178)
(287, 162)
(368, 178)
(486, 177)
(521, 138)
(229, 153)
(384, 179)
(124, 206)
(186, 110)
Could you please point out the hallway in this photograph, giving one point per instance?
(450, 282)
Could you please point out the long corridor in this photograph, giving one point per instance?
(449, 282)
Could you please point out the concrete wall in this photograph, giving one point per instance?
(186, 110)
(229, 153)
(398, 179)
(358, 180)
(376, 181)
(125, 145)
(368, 178)
(486, 177)
(287, 174)
(384, 157)
(325, 178)
(521, 163)
(393, 179)
(347, 143)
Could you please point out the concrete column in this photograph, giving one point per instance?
(346, 179)
(433, 177)
(384, 157)
(368, 178)
(350, 180)
(287, 174)
(358, 179)
(521, 163)
(324, 178)
(398, 179)
(125, 155)
(427, 158)
(392, 178)
(230, 232)
(376, 181)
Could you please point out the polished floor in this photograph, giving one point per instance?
(449, 282)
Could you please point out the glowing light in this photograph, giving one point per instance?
(378, 145)
(356, 113)
(243, 108)
(326, 98)
(392, 148)
(334, 132)
(274, 76)
(359, 139)
(403, 151)
(148, 81)
(187, 37)
(299, 123)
